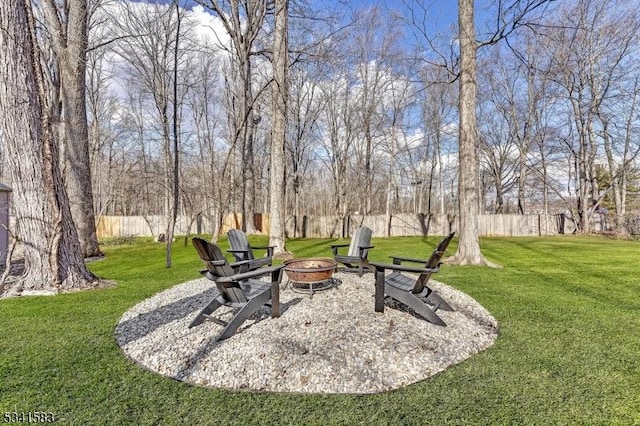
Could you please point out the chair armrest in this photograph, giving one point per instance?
(397, 260)
(361, 250)
(396, 267)
(335, 247)
(235, 266)
(216, 262)
(269, 249)
(240, 264)
(253, 274)
(263, 247)
(238, 251)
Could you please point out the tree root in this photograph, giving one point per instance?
(475, 261)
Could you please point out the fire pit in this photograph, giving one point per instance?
(311, 274)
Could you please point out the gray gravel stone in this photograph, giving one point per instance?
(333, 342)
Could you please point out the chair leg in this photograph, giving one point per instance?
(276, 279)
(364, 266)
(380, 287)
(245, 312)
(435, 299)
(202, 315)
(415, 303)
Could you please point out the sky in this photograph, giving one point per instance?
(438, 14)
(441, 13)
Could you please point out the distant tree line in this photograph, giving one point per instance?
(160, 109)
(372, 122)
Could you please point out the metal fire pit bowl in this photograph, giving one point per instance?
(315, 273)
(310, 270)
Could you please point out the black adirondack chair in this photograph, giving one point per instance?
(242, 251)
(356, 258)
(240, 290)
(413, 292)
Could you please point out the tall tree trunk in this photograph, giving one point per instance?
(247, 121)
(468, 182)
(175, 159)
(68, 32)
(522, 178)
(53, 259)
(243, 21)
(280, 85)
(545, 181)
(615, 177)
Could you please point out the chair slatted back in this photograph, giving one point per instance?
(238, 241)
(362, 238)
(439, 251)
(210, 253)
(433, 262)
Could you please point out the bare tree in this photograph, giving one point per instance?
(620, 148)
(67, 30)
(109, 145)
(510, 17)
(138, 119)
(438, 102)
(590, 56)
(155, 57)
(243, 21)
(498, 153)
(507, 126)
(468, 181)
(211, 167)
(52, 254)
(398, 93)
(279, 131)
(376, 52)
(338, 123)
(305, 108)
(175, 134)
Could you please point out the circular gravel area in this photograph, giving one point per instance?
(333, 342)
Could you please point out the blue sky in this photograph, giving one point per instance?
(439, 16)
(440, 13)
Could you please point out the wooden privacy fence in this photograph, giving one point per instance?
(420, 224)
(336, 227)
(147, 226)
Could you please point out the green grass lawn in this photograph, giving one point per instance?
(568, 350)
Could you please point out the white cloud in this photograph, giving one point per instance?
(209, 28)
(109, 21)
